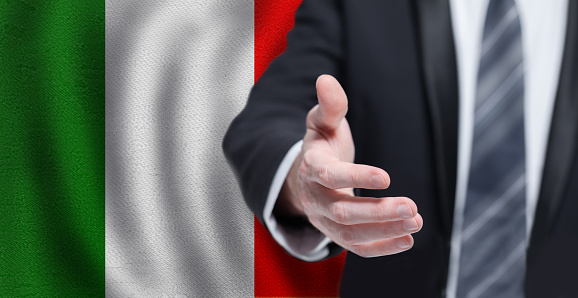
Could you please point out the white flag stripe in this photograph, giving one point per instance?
(177, 72)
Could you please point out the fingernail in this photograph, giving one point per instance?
(404, 211)
(410, 225)
(402, 243)
(378, 181)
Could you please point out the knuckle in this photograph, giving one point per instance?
(338, 212)
(323, 175)
(355, 178)
(348, 236)
(380, 212)
(308, 157)
(387, 231)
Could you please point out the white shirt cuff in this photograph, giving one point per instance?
(308, 245)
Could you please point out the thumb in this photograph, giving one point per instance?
(332, 107)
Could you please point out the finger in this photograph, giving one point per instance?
(334, 174)
(365, 233)
(332, 107)
(383, 247)
(349, 210)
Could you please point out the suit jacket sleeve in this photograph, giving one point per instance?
(274, 118)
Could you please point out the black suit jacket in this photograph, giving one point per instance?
(396, 61)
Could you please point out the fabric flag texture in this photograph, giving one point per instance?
(112, 178)
(52, 172)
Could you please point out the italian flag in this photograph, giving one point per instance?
(112, 178)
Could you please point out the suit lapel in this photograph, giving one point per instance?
(563, 138)
(436, 44)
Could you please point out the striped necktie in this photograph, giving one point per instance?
(493, 236)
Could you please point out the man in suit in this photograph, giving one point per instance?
(470, 107)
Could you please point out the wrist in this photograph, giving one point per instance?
(289, 200)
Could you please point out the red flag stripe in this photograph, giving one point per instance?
(277, 274)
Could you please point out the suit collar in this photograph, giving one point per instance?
(438, 60)
(562, 143)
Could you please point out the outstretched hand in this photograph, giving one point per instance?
(321, 181)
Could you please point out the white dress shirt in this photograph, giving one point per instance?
(543, 26)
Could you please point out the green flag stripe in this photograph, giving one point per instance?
(52, 148)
